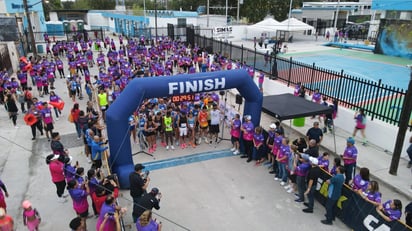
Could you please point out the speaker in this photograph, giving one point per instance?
(239, 99)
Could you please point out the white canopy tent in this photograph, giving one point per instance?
(294, 24)
(267, 26)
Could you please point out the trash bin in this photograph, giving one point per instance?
(40, 49)
(299, 122)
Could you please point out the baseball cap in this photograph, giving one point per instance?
(26, 204)
(313, 160)
(351, 140)
(272, 125)
(138, 167)
(248, 117)
(154, 191)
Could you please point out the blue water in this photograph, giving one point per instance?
(189, 159)
(392, 75)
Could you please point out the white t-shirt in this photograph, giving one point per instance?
(214, 117)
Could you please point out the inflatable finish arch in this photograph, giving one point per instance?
(139, 89)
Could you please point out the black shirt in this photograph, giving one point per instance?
(313, 151)
(147, 202)
(136, 185)
(314, 134)
(314, 173)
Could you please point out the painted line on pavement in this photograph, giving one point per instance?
(189, 159)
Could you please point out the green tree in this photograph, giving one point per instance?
(102, 4)
(81, 5)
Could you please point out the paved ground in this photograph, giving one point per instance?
(224, 193)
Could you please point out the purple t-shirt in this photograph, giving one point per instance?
(152, 226)
(249, 128)
(302, 169)
(258, 138)
(375, 197)
(284, 150)
(359, 183)
(54, 98)
(79, 197)
(323, 163)
(235, 130)
(351, 152)
(391, 213)
(46, 115)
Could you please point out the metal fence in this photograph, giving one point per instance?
(379, 100)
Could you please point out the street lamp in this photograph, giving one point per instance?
(29, 25)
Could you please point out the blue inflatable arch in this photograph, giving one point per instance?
(141, 88)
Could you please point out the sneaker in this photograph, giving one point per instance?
(62, 200)
(33, 138)
(287, 187)
(233, 149)
(57, 119)
(243, 156)
(65, 195)
(182, 146)
(326, 222)
(16, 127)
(290, 190)
(210, 142)
(236, 152)
(177, 143)
(409, 165)
(163, 144)
(307, 210)
(193, 145)
(167, 147)
(299, 200)
(173, 147)
(276, 178)
(206, 140)
(150, 150)
(89, 161)
(199, 140)
(272, 172)
(282, 183)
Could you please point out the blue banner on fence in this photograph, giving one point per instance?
(354, 211)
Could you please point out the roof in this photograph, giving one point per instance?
(294, 24)
(288, 106)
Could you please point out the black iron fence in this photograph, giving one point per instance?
(379, 100)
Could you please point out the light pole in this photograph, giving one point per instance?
(336, 17)
(31, 34)
(403, 126)
(155, 2)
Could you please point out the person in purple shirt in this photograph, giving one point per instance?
(323, 161)
(109, 209)
(301, 171)
(47, 120)
(349, 157)
(248, 129)
(372, 193)
(258, 143)
(361, 180)
(55, 98)
(390, 210)
(146, 223)
(78, 193)
(282, 159)
(60, 68)
(235, 133)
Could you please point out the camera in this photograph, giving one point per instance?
(110, 214)
(145, 174)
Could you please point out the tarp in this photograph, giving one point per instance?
(267, 25)
(294, 24)
(287, 106)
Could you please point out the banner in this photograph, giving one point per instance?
(220, 30)
(354, 211)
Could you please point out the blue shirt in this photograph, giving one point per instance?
(335, 186)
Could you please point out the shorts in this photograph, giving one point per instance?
(84, 214)
(183, 131)
(292, 178)
(214, 128)
(104, 108)
(72, 92)
(234, 139)
(204, 128)
(48, 127)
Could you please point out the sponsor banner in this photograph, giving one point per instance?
(354, 211)
(219, 30)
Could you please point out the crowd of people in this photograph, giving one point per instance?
(162, 121)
